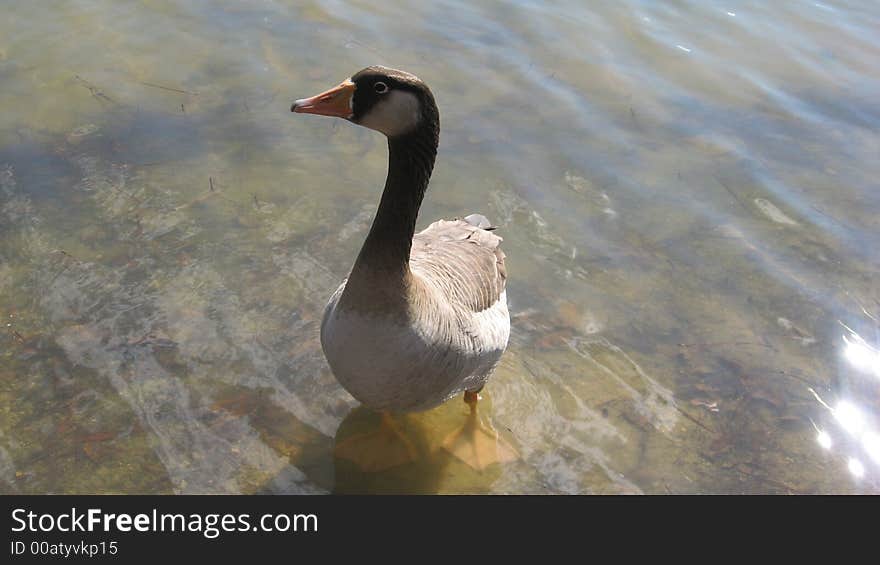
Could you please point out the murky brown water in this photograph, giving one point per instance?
(687, 192)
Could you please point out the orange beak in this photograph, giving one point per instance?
(334, 102)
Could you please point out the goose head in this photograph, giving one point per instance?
(386, 100)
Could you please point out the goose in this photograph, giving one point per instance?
(422, 317)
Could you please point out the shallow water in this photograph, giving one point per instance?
(687, 193)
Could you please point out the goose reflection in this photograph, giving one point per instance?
(321, 463)
(417, 460)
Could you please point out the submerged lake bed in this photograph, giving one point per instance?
(687, 194)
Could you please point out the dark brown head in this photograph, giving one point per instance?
(386, 100)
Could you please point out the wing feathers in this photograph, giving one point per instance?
(462, 258)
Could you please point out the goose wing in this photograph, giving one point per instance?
(464, 258)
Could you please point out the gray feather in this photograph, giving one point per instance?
(465, 258)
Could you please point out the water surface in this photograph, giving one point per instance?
(687, 192)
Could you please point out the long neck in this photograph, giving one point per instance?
(386, 251)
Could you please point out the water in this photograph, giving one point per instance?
(687, 193)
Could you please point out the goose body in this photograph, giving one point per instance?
(422, 316)
(442, 335)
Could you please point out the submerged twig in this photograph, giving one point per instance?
(732, 193)
(94, 90)
(711, 344)
(152, 163)
(798, 378)
(63, 269)
(768, 480)
(170, 89)
(693, 419)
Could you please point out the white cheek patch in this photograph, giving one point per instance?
(394, 114)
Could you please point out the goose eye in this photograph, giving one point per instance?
(380, 87)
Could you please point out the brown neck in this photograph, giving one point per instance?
(383, 263)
